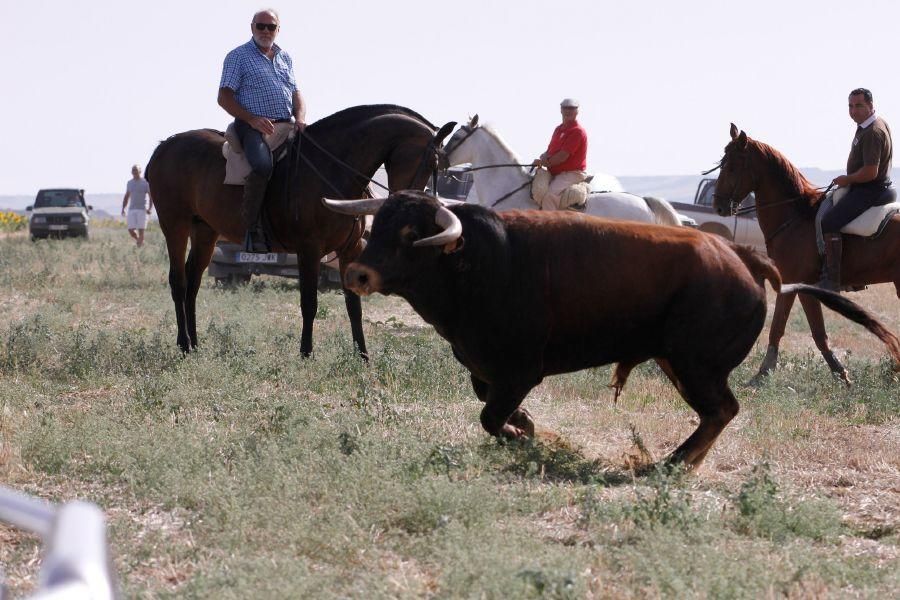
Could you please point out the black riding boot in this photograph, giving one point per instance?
(831, 266)
(254, 193)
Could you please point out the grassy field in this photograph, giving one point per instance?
(243, 471)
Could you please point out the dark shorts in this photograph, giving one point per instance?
(860, 198)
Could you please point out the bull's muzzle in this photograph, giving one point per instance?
(362, 279)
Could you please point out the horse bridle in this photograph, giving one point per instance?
(734, 202)
(443, 159)
(444, 162)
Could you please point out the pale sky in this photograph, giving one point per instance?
(89, 88)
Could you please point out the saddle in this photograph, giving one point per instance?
(870, 224)
(236, 166)
(573, 197)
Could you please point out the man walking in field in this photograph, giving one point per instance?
(139, 204)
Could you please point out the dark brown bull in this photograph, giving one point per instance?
(523, 295)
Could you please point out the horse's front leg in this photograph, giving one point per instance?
(354, 311)
(309, 266)
(783, 305)
(354, 305)
(813, 310)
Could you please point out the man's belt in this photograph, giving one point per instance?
(288, 120)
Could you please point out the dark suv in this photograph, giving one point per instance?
(59, 213)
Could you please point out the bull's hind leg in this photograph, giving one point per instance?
(709, 395)
(203, 243)
(176, 243)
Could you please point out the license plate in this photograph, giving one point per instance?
(58, 227)
(253, 257)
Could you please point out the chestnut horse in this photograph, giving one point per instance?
(337, 156)
(786, 204)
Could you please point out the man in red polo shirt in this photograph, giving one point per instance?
(566, 156)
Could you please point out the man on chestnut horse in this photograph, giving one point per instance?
(868, 176)
(258, 89)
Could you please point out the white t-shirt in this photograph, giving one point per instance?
(137, 193)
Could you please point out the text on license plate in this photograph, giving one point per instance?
(58, 227)
(253, 257)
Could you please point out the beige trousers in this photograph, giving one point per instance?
(558, 184)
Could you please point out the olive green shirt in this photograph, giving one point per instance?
(872, 146)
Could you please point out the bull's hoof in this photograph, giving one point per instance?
(511, 432)
(521, 419)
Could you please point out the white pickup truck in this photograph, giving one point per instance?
(742, 229)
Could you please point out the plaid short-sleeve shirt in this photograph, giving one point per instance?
(262, 86)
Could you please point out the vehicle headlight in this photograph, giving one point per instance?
(38, 219)
(76, 219)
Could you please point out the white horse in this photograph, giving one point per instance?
(508, 187)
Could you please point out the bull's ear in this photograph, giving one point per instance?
(473, 123)
(742, 140)
(443, 132)
(455, 246)
(734, 131)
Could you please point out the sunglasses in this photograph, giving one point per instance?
(264, 26)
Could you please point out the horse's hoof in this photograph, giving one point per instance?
(758, 380)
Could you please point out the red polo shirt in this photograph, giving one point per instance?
(572, 138)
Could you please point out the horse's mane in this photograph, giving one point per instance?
(353, 114)
(489, 129)
(795, 182)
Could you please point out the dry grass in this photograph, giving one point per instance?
(374, 519)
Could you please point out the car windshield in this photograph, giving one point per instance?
(58, 198)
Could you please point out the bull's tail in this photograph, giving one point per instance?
(760, 266)
(851, 310)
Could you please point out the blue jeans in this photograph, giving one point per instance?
(257, 151)
(860, 198)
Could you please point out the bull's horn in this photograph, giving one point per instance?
(365, 206)
(452, 229)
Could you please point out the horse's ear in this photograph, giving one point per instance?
(473, 123)
(734, 131)
(443, 132)
(742, 140)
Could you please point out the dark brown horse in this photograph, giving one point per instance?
(337, 155)
(786, 204)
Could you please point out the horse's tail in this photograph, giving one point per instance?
(663, 213)
(851, 310)
(761, 266)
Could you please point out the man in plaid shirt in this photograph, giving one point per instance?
(258, 89)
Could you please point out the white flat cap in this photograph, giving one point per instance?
(569, 103)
